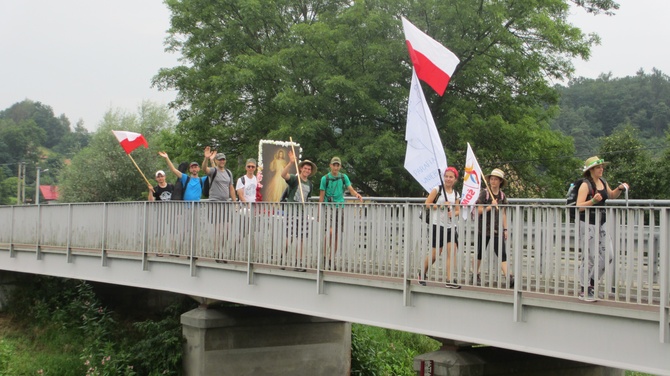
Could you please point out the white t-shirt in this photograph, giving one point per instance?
(439, 217)
(249, 186)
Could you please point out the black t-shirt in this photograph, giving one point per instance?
(163, 194)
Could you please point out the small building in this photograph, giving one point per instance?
(49, 193)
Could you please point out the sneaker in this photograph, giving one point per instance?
(452, 285)
(299, 270)
(478, 280)
(588, 297)
(422, 278)
(511, 281)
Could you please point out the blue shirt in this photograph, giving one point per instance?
(193, 191)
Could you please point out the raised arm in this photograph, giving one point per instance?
(170, 165)
(151, 193)
(284, 173)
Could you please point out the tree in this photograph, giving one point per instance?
(102, 172)
(632, 164)
(335, 74)
(43, 116)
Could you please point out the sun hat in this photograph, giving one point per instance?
(499, 174)
(593, 162)
(160, 172)
(336, 160)
(307, 161)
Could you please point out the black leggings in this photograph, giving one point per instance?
(480, 247)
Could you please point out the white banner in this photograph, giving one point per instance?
(472, 183)
(425, 154)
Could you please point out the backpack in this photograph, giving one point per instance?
(178, 192)
(573, 192)
(329, 179)
(208, 181)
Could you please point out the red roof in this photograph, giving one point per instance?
(49, 192)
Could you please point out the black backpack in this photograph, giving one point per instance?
(205, 188)
(285, 194)
(573, 191)
(178, 192)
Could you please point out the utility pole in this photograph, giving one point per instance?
(23, 183)
(37, 187)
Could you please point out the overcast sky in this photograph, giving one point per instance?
(83, 57)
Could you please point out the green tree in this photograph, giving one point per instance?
(631, 163)
(335, 74)
(103, 172)
(54, 127)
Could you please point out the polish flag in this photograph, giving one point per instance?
(434, 63)
(130, 140)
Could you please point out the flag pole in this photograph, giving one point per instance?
(297, 171)
(138, 169)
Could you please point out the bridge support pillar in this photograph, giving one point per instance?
(456, 358)
(254, 341)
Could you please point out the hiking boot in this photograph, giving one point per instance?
(511, 281)
(589, 296)
(422, 277)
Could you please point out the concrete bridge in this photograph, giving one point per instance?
(359, 264)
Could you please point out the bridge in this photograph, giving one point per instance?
(359, 264)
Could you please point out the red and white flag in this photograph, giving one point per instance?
(434, 63)
(472, 183)
(130, 140)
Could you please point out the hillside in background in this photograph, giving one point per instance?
(591, 109)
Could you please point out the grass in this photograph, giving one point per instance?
(30, 351)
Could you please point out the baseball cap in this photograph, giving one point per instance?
(160, 172)
(220, 156)
(335, 160)
(193, 164)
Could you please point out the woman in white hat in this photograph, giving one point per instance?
(594, 194)
(489, 220)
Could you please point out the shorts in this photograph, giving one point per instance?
(335, 218)
(449, 236)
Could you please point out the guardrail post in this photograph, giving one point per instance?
(320, 250)
(407, 238)
(665, 268)
(68, 246)
(38, 231)
(104, 235)
(191, 246)
(12, 252)
(518, 283)
(145, 265)
(251, 243)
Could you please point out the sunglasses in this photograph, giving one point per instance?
(251, 166)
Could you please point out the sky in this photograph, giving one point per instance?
(84, 57)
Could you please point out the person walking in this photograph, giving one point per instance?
(591, 198)
(490, 215)
(445, 209)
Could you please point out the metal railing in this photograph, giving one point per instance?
(380, 240)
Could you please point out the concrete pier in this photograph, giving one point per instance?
(245, 341)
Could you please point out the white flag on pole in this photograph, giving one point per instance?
(472, 183)
(425, 154)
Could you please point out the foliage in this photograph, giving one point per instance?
(385, 352)
(593, 108)
(67, 317)
(335, 74)
(103, 172)
(632, 164)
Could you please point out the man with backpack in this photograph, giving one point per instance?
(246, 184)
(221, 186)
(193, 185)
(332, 189)
(163, 190)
